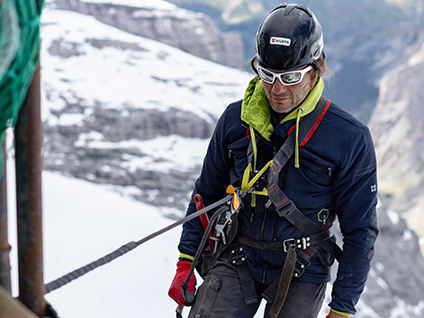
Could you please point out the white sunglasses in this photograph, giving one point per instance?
(286, 78)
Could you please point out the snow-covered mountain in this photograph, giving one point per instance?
(134, 116)
(192, 32)
(109, 96)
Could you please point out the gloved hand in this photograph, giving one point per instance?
(183, 267)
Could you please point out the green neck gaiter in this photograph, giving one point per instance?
(256, 110)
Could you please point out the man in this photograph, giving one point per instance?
(325, 170)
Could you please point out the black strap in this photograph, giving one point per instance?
(284, 283)
(299, 243)
(238, 259)
(285, 207)
(301, 262)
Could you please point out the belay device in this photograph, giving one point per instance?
(227, 220)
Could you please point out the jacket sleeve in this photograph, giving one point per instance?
(211, 185)
(355, 192)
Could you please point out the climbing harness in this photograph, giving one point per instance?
(298, 250)
(265, 182)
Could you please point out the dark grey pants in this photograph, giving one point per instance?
(220, 296)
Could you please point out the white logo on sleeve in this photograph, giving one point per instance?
(280, 41)
(373, 188)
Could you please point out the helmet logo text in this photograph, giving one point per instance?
(280, 41)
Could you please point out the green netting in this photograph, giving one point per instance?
(9, 36)
(19, 52)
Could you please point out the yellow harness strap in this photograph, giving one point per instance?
(247, 184)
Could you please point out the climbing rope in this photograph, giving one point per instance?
(19, 54)
(127, 248)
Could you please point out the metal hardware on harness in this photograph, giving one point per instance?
(221, 225)
(299, 269)
(237, 256)
(235, 202)
(225, 218)
(302, 243)
(301, 264)
(287, 243)
(260, 183)
(238, 259)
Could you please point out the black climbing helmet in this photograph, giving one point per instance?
(289, 37)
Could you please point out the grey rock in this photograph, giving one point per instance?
(397, 126)
(396, 277)
(106, 165)
(191, 32)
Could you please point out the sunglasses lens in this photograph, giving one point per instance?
(265, 75)
(291, 78)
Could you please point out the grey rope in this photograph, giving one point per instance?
(127, 248)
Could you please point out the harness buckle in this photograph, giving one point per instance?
(302, 243)
(302, 261)
(299, 268)
(287, 243)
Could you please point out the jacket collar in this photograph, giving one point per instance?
(256, 110)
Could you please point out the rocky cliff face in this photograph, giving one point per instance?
(397, 125)
(395, 283)
(65, 150)
(189, 31)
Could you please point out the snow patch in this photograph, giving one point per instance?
(393, 216)
(119, 70)
(147, 4)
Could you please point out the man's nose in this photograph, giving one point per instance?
(278, 87)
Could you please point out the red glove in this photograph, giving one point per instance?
(183, 267)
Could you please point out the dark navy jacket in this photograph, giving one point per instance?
(337, 175)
